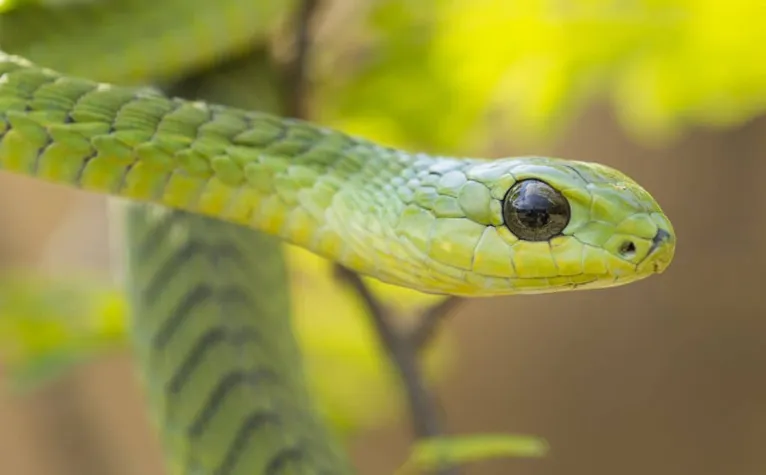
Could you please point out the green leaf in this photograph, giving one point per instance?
(432, 453)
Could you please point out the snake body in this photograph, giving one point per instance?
(227, 389)
(225, 378)
(135, 42)
(431, 223)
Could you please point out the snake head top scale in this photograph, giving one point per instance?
(507, 226)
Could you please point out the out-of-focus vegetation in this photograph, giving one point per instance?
(437, 452)
(48, 325)
(460, 74)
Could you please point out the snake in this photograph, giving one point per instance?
(212, 189)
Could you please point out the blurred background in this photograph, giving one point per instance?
(664, 376)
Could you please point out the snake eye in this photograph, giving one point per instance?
(534, 211)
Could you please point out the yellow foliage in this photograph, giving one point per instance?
(454, 74)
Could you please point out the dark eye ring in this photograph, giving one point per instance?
(535, 211)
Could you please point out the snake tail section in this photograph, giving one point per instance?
(224, 373)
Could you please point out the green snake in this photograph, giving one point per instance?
(463, 226)
(229, 393)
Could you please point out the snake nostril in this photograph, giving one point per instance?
(661, 236)
(627, 249)
(658, 239)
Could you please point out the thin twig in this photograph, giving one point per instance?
(404, 355)
(424, 420)
(428, 323)
(297, 71)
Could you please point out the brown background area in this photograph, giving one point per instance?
(663, 377)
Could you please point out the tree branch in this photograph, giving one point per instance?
(424, 331)
(297, 71)
(404, 355)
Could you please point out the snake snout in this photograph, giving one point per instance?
(661, 250)
(661, 237)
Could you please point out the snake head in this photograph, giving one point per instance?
(601, 228)
(519, 225)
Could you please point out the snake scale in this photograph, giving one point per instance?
(229, 393)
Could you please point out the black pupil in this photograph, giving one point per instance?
(535, 211)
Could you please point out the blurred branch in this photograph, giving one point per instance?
(428, 323)
(404, 355)
(296, 74)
